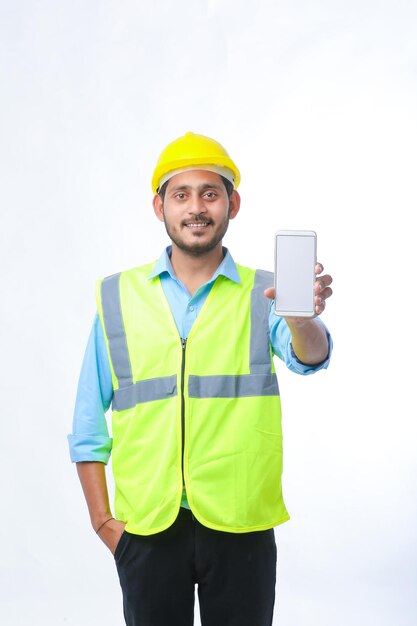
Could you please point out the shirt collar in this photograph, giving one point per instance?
(226, 268)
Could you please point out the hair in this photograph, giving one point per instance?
(228, 185)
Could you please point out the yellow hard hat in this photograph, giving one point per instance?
(190, 151)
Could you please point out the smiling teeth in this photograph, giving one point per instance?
(200, 225)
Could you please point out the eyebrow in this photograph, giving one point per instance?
(202, 187)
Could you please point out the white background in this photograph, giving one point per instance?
(316, 102)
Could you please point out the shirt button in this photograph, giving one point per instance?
(191, 308)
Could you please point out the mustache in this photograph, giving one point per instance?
(198, 217)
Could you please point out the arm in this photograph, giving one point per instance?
(308, 336)
(90, 444)
(92, 476)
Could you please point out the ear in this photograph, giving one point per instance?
(234, 205)
(158, 207)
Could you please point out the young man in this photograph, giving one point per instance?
(182, 349)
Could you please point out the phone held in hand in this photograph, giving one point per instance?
(295, 261)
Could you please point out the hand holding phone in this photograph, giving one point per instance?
(295, 261)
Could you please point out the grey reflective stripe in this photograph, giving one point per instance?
(128, 395)
(260, 355)
(144, 391)
(233, 386)
(260, 381)
(115, 330)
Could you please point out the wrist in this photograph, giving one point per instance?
(297, 323)
(99, 518)
(98, 529)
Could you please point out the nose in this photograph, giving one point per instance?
(197, 204)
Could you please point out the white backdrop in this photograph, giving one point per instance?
(316, 102)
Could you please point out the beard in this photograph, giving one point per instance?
(199, 246)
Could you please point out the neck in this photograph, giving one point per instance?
(194, 271)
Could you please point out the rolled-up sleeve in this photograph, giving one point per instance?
(89, 440)
(280, 336)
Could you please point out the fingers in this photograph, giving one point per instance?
(319, 305)
(325, 280)
(322, 284)
(322, 289)
(321, 295)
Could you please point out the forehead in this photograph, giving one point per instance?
(195, 178)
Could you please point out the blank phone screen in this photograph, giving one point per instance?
(295, 260)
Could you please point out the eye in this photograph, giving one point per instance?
(210, 195)
(180, 195)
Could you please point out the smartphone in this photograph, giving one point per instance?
(295, 261)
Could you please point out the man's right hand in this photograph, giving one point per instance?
(111, 533)
(93, 480)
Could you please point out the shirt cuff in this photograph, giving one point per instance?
(90, 448)
(304, 368)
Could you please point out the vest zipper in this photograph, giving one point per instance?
(183, 345)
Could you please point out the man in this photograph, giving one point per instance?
(182, 348)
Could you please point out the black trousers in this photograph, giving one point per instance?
(235, 575)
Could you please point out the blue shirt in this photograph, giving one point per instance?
(90, 440)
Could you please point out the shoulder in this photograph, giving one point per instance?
(140, 270)
(262, 279)
(109, 286)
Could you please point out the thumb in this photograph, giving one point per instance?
(270, 293)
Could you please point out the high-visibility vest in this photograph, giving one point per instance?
(202, 413)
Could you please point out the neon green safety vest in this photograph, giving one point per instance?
(204, 413)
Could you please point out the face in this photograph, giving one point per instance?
(196, 211)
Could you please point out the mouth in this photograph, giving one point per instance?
(200, 225)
